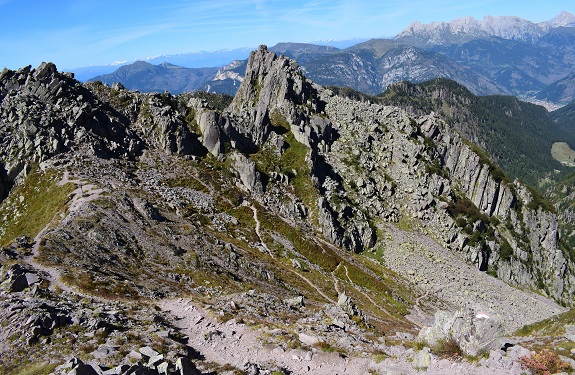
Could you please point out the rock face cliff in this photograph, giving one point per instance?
(341, 217)
(371, 163)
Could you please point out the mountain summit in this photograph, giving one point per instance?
(563, 19)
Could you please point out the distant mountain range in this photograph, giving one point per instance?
(147, 77)
(496, 55)
(468, 28)
(199, 59)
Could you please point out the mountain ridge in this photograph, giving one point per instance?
(147, 77)
(488, 59)
(505, 27)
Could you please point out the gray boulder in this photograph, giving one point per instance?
(248, 173)
(422, 359)
(475, 330)
(148, 352)
(21, 278)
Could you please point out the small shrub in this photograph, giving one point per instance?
(476, 358)
(419, 345)
(505, 251)
(447, 348)
(545, 362)
(324, 346)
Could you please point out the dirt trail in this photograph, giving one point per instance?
(258, 227)
(313, 286)
(82, 194)
(238, 344)
(335, 280)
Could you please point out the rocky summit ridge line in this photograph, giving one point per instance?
(327, 225)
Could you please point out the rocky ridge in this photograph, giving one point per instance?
(276, 193)
(513, 28)
(461, 175)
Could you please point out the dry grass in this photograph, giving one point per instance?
(447, 348)
(37, 369)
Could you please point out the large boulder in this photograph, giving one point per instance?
(475, 330)
(248, 173)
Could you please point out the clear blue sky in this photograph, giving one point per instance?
(73, 33)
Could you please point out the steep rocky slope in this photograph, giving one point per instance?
(517, 135)
(322, 223)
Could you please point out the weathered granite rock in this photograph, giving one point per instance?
(185, 367)
(474, 329)
(45, 113)
(148, 352)
(422, 359)
(83, 369)
(249, 175)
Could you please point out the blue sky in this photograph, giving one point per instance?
(74, 33)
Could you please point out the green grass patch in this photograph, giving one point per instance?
(320, 255)
(37, 369)
(561, 152)
(187, 182)
(292, 163)
(32, 205)
(554, 326)
(378, 288)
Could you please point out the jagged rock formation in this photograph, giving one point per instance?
(154, 196)
(524, 252)
(513, 28)
(457, 174)
(45, 113)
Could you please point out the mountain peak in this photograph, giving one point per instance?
(455, 31)
(563, 19)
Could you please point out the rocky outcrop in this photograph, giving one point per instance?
(164, 127)
(417, 167)
(270, 83)
(247, 173)
(45, 113)
(534, 234)
(474, 330)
